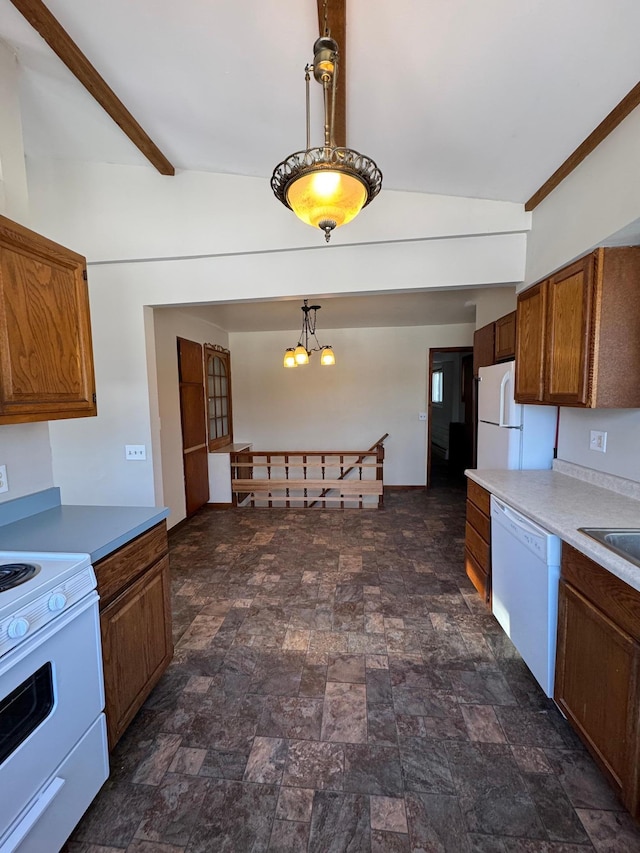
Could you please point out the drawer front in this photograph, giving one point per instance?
(479, 496)
(478, 547)
(619, 601)
(120, 568)
(479, 520)
(476, 574)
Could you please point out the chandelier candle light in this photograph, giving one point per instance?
(326, 186)
(294, 356)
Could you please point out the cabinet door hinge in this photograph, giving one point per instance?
(94, 398)
(84, 275)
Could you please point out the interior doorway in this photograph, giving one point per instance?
(451, 415)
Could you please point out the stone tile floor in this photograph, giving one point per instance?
(338, 686)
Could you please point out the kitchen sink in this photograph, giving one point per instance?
(623, 541)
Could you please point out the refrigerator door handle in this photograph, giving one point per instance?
(503, 385)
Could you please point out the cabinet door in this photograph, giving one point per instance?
(570, 335)
(597, 686)
(483, 347)
(46, 360)
(531, 320)
(505, 337)
(136, 645)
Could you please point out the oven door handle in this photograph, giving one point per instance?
(32, 816)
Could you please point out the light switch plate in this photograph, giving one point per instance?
(422, 416)
(598, 440)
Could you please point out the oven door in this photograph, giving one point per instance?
(51, 692)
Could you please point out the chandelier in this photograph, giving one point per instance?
(293, 356)
(326, 186)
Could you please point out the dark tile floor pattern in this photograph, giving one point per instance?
(338, 686)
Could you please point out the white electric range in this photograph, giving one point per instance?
(53, 746)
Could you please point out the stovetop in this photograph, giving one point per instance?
(60, 580)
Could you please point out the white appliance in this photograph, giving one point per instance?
(511, 435)
(53, 745)
(525, 567)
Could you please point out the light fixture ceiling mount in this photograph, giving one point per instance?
(326, 186)
(298, 355)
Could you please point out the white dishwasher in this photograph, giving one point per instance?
(525, 568)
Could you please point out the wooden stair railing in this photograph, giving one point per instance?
(305, 478)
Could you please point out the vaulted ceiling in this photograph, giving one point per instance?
(480, 99)
(455, 97)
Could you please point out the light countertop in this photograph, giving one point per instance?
(561, 504)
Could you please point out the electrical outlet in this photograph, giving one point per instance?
(598, 440)
(4, 483)
(135, 452)
(422, 416)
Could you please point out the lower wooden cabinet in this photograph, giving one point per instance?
(597, 669)
(135, 624)
(477, 542)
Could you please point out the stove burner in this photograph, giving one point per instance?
(13, 574)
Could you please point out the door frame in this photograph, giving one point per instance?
(432, 350)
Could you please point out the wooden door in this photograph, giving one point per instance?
(531, 321)
(194, 425)
(46, 359)
(569, 331)
(136, 645)
(597, 687)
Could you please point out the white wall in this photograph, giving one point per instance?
(598, 199)
(494, 302)
(25, 450)
(237, 230)
(622, 426)
(378, 385)
(169, 324)
(14, 200)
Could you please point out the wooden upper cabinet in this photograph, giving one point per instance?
(483, 347)
(531, 343)
(46, 358)
(505, 337)
(578, 334)
(570, 340)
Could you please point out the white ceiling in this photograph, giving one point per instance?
(432, 308)
(479, 99)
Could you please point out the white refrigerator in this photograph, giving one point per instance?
(511, 435)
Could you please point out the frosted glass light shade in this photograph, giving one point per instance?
(327, 356)
(327, 195)
(289, 358)
(301, 355)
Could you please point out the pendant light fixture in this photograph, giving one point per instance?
(326, 186)
(298, 355)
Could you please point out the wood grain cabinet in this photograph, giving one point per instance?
(135, 624)
(597, 669)
(505, 337)
(483, 347)
(578, 334)
(46, 358)
(477, 542)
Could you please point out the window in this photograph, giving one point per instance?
(437, 386)
(218, 381)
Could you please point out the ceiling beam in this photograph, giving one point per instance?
(337, 23)
(63, 45)
(617, 114)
